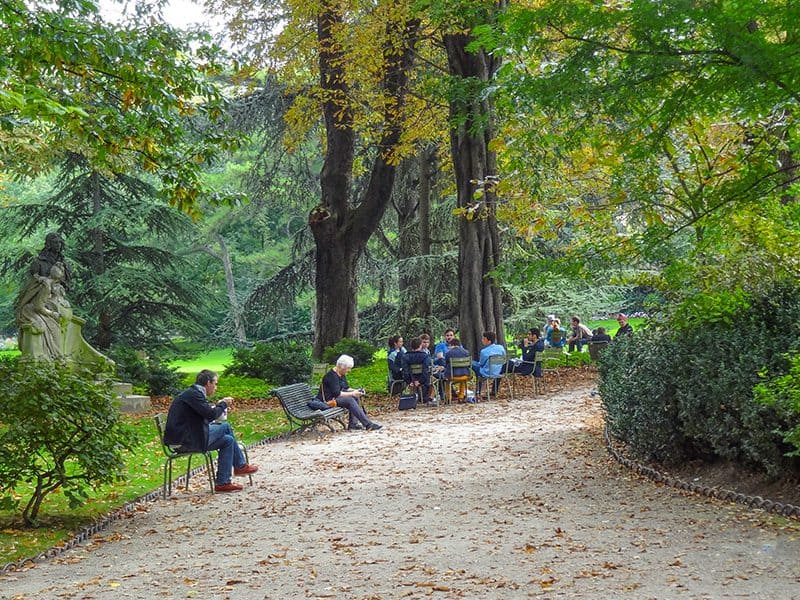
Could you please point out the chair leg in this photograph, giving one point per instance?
(243, 448)
(188, 469)
(210, 472)
(164, 487)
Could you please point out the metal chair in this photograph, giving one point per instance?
(494, 382)
(394, 386)
(417, 389)
(536, 382)
(173, 452)
(595, 348)
(552, 359)
(461, 380)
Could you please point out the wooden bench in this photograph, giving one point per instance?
(294, 399)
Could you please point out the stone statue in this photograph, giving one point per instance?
(47, 328)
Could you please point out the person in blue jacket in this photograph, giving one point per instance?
(490, 348)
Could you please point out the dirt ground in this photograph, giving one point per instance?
(496, 500)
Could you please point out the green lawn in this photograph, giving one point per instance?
(215, 359)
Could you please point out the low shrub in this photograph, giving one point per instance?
(235, 386)
(363, 353)
(685, 388)
(639, 396)
(279, 363)
(150, 373)
(782, 392)
(62, 431)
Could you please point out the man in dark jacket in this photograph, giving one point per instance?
(418, 357)
(189, 425)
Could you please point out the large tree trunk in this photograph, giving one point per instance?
(480, 299)
(341, 230)
(105, 328)
(407, 204)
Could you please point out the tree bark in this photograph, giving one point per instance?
(230, 287)
(105, 319)
(480, 301)
(341, 230)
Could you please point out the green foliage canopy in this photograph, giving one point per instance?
(130, 94)
(665, 131)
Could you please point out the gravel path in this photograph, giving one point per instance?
(497, 500)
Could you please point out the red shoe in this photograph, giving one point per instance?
(228, 487)
(245, 470)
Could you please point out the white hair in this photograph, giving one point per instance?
(345, 361)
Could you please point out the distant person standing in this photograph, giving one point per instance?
(625, 329)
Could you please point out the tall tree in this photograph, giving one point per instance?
(472, 69)
(657, 119)
(363, 55)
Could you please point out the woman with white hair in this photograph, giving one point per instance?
(335, 391)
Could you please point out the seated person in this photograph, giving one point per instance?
(425, 341)
(395, 362)
(556, 337)
(457, 374)
(530, 346)
(481, 366)
(579, 336)
(600, 335)
(443, 347)
(335, 391)
(547, 328)
(189, 426)
(417, 356)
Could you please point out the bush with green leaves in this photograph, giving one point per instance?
(150, 373)
(363, 353)
(783, 393)
(685, 388)
(639, 397)
(279, 363)
(60, 431)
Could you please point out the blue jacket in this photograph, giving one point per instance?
(483, 362)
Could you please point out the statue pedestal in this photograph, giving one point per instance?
(127, 401)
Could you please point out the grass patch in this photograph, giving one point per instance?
(215, 360)
(144, 474)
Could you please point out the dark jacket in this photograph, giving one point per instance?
(188, 419)
(624, 330)
(527, 366)
(456, 352)
(329, 389)
(417, 357)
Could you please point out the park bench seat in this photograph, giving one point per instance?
(294, 399)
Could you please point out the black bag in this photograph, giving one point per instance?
(407, 401)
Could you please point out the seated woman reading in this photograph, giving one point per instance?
(335, 391)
